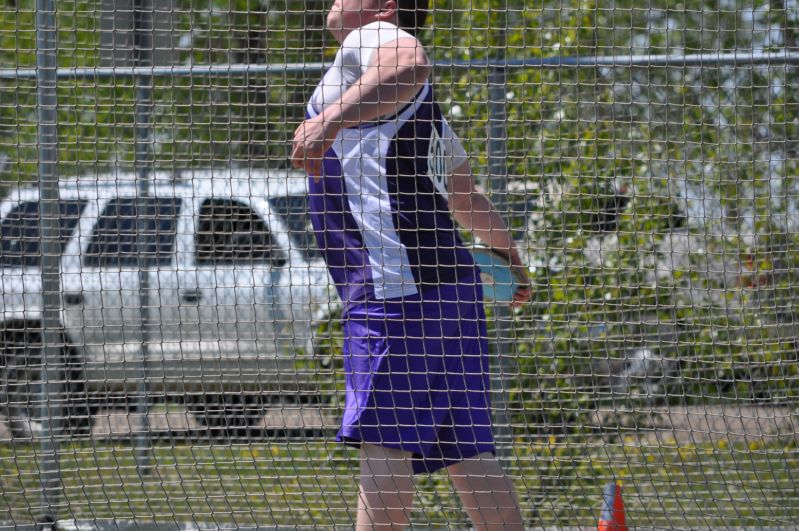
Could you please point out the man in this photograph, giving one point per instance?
(387, 175)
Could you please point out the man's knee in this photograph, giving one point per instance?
(386, 471)
(387, 488)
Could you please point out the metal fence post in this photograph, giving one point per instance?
(142, 49)
(51, 389)
(498, 176)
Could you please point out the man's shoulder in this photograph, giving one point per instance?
(374, 35)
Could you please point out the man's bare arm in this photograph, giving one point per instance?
(396, 73)
(475, 212)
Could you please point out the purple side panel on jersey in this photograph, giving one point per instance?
(338, 235)
(421, 214)
(417, 376)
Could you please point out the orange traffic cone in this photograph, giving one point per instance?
(612, 517)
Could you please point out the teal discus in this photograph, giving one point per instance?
(499, 282)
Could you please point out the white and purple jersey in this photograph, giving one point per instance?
(380, 210)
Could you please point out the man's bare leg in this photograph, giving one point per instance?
(387, 490)
(487, 494)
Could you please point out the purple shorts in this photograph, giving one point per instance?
(417, 376)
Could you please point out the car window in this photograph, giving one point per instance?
(20, 237)
(230, 232)
(114, 241)
(293, 210)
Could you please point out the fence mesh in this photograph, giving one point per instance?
(191, 371)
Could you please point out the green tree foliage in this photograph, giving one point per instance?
(198, 121)
(665, 197)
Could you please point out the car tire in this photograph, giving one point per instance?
(227, 415)
(21, 373)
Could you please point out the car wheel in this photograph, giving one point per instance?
(227, 415)
(80, 408)
(21, 376)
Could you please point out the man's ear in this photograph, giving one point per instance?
(388, 11)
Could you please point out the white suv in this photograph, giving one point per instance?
(231, 278)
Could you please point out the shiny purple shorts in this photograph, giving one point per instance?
(417, 376)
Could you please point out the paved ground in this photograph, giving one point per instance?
(117, 424)
(674, 424)
(736, 423)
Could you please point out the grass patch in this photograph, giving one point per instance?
(314, 483)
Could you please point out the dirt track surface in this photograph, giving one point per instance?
(115, 424)
(696, 424)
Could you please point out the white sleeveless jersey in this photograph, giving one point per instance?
(380, 210)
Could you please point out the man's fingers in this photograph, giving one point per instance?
(312, 167)
(522, 296)
(296, 154)
(296, 162)
(309, 148)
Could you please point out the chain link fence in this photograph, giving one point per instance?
(170, 348)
